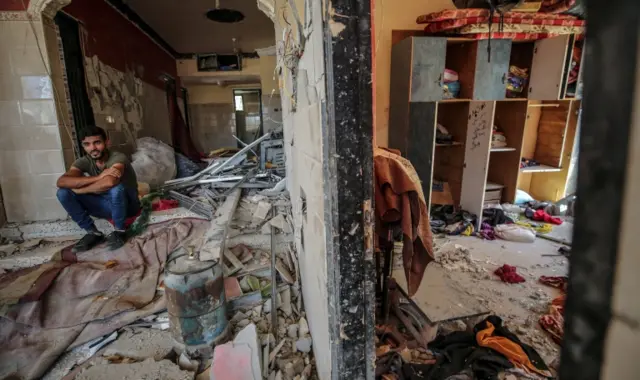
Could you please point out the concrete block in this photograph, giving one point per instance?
(240, 359)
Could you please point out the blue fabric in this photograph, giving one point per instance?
(117, 203)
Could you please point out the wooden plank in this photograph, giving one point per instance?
(215, 239)
(427, 68)
(400, 35)
(531, 131)
(491, 74)
(421, 142)
(540, 169)
(511, 118)
(476, 157)
(524, 181)
(551, 186)
(461, 57)
(448, 162)
(551, 133)
(440, 297)
(567, 66)
(547, 68)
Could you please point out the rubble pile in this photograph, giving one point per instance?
(204, 191)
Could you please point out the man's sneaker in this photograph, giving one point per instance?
(88, 241)
(116, 239)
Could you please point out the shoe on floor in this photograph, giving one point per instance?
(87, 242)
(116, 239)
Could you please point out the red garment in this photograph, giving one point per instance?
(553, 323)
(508, 274)
(559, 282)
(542, 216)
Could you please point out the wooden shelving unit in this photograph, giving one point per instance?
(539, 124)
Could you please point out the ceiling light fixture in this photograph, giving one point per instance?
(225, 15)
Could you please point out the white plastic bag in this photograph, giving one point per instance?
(154, 161)
(515, 232)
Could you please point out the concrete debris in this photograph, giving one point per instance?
(457, 258)
(262, 210)
(187, 364)
(304, 344)
(284, 272)
(303, 327)
(292, 331)
(281, 223)
(141, 343)
(148, 369)
(28, 244)
(230, 359)
(285, 303)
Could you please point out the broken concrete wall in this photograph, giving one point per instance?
(116, 101)
(302, 110)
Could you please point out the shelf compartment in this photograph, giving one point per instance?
(448, 161)
(522, 57)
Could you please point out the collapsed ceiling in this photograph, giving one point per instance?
(185, 26)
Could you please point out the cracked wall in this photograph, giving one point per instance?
(116, 100)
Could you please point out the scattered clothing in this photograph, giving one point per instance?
(559, 282)
(509, 274)
(539, 228)
(486, 232)
(527, 163)
(481, 354)
(542, 216)
(497, 337)
(462, 227)
(495, 216)
(498, 139)
(553, 321)
(443, 136)
(516, 81)
(399, 200)
(515, 232)
(449, 215)
(451, 90)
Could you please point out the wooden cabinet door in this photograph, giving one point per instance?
(491, 74)
(427, 68)
(547, 68)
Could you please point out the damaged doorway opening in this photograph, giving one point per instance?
(248, 109)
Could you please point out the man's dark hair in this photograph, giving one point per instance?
(93, 130)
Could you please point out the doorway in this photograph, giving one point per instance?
(247, 105)
(74, 69)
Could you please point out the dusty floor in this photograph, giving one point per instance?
(519, 305)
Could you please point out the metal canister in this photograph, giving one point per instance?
(195, 300)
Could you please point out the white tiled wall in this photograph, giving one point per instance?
(30, 147)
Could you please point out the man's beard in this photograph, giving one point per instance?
(96, 154)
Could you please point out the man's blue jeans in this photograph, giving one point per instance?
(117, 204)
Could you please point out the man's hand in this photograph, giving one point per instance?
(110, 172)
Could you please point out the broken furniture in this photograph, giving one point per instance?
(540, 125)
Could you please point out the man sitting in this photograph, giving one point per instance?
(101, 184)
